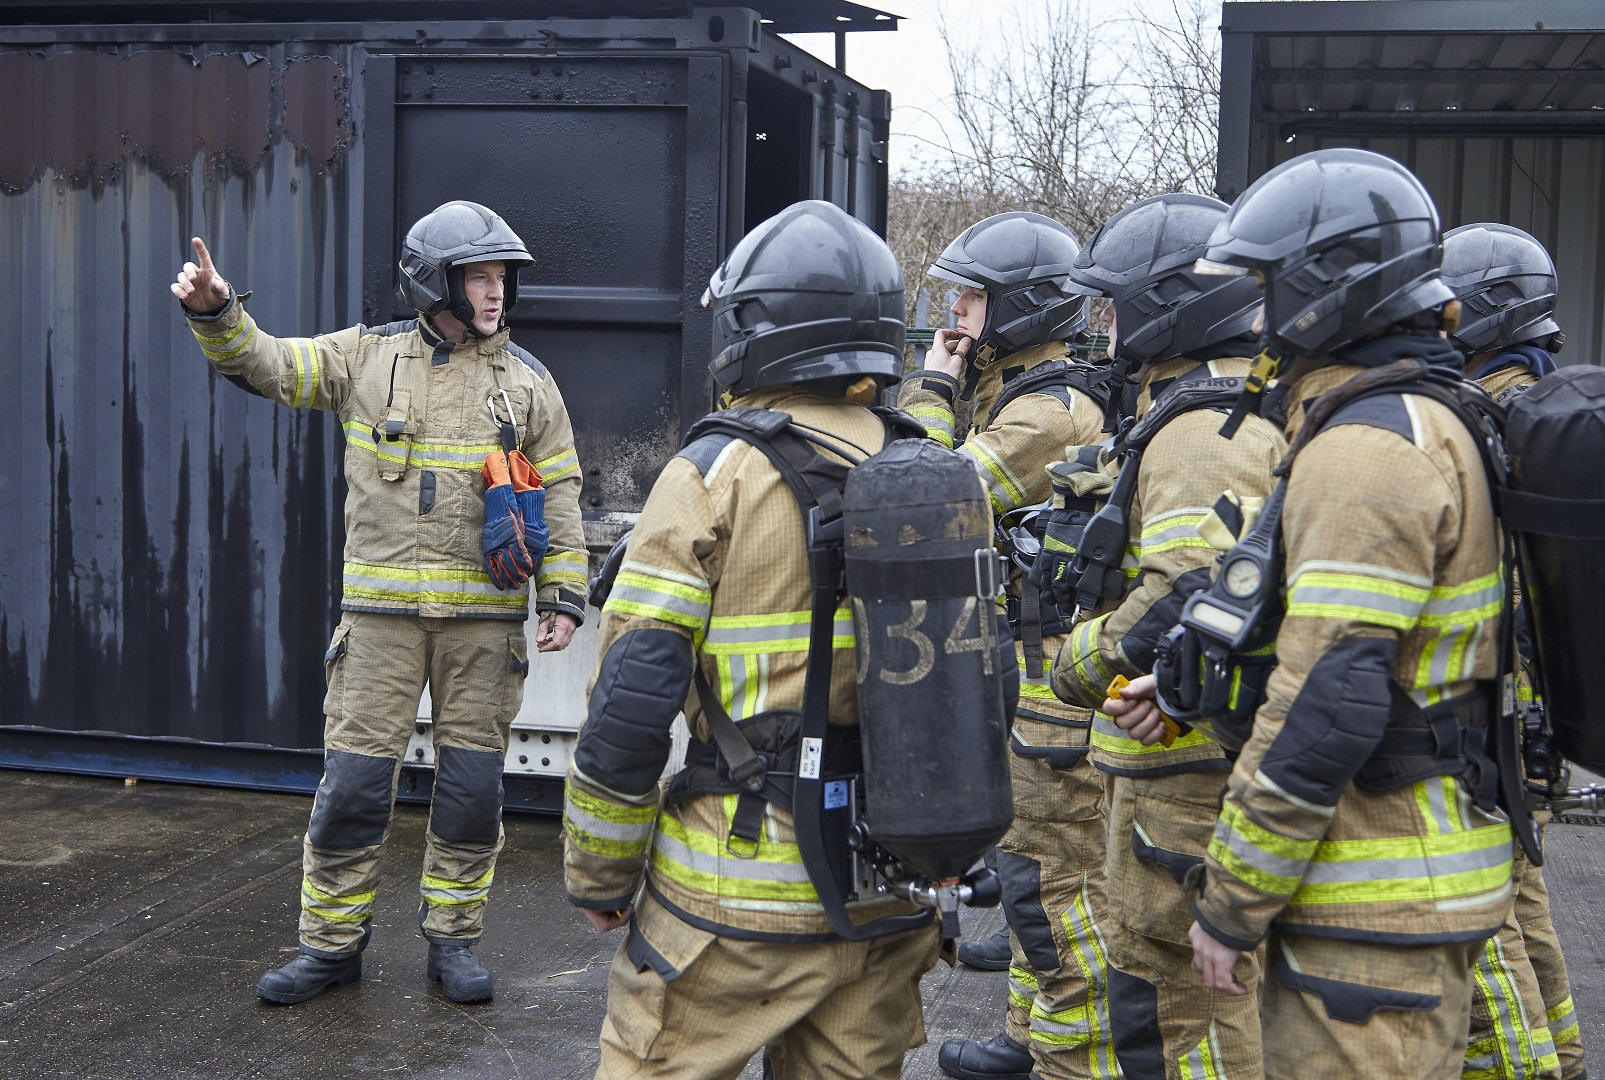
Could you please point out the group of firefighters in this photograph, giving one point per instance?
(1286, 859)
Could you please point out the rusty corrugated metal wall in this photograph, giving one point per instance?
(175, 555)
(172, 549)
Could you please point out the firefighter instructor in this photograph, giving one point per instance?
(459, 460)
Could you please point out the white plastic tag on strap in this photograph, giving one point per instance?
(813, 752)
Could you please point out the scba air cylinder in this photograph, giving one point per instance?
(933, 655)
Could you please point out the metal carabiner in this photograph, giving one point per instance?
(509, 430)
(507, 405)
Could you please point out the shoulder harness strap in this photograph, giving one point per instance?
(1097, 570)
(1090, 379)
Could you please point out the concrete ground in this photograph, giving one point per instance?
(136, 919)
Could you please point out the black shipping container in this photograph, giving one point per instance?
(173, 544)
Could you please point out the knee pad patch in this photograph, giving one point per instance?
(1022, 906)
(1134, 1016)
(352, 806)
(467, 806)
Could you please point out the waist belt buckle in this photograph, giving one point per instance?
(750, 774)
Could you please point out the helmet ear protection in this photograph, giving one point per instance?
(445, 240)
(1346, 242)
(1022, 262)
(810, 296)
(1506, 281)
(1144, 259)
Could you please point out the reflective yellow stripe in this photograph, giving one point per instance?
(1087, 945)
(466, 457)
(1086, 661)
(443, 892)
(1262, 859)
(354, 908)
(611, 830)
(559, 465)
(665, 595)
(1563, 1024)
(1167, 532)
(305, 351)
(411, 585)
(778, 632)
(1107, 736)
(1022, 986)
(699, 861)
(1067, 1027)
(563, 568)
(1447, 867)
(231, 343)
(1526, 1049)
(1375, 599)
(1204, 1062)
(937, 421)
(1004, 488)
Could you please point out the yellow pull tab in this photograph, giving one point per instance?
(1172, 729)
(1266, 365)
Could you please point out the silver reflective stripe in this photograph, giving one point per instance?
(632, 593)
(589, 823)
(1454, 605)
(1360, 598)
(731, 867)
(1257, 857)
(1407, 867)
(1440, 808)
(414, 584)
(1080, 1028)
(1494, 970)
(795, 628)
(312, 903)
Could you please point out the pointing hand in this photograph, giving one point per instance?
(199, 287)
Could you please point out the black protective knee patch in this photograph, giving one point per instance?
(1021, 879)
(467, 806)
(352, 806)
(1134, 1016)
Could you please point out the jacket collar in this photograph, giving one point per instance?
(470, 348)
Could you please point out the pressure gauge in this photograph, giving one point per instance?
(1242, 578)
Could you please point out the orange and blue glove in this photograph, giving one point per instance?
(531, 505)
(506, 557)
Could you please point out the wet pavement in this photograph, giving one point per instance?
(136, 919)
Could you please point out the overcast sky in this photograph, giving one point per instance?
(911, 62)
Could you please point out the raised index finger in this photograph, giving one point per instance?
(204, 256)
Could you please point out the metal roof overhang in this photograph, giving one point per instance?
(780, 16)
(1408, 67)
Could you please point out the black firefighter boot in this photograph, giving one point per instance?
(1000, 1059)
(462, 977)
(311, 973)
(988, 954)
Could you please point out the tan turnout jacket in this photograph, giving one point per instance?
(1186, 468)
(718, 559)
(414, 504)
(1011, 454)
(1391, 550)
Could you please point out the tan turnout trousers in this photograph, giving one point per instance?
(1169, 1024)
(377, 666)
(684, 1002)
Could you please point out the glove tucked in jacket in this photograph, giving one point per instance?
(531, 506)
(507, 558)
